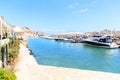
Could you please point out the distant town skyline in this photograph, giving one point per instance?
(58, 16)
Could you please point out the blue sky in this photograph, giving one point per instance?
(55, 16)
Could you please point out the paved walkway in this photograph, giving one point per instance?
(24, 59)
(28, 69)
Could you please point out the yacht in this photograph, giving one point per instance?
(47, 37)
(101, 41)
(59, 39)
(65, 39)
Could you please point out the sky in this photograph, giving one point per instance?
(59, 16)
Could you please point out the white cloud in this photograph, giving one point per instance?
(84, 10)
(73, 5)
(70, 6)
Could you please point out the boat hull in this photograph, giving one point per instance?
(100, 44)
(59, 39)
(64, 40)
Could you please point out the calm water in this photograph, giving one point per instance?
(75, 55)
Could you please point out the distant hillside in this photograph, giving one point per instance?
(114, 33)
(25, 32)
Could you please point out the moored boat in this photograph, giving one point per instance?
(101, 41)
(64, 39)
(47, 37)
(59, 39)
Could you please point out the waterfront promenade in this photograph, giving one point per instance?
(27, 69)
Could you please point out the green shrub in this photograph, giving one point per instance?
(14, 49)
(13, 52)
(7, 75)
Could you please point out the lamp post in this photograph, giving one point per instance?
(2, 49)
(7, 46)
(1, 30)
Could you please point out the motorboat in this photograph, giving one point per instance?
(47, 37)
(101, 41)
(64, 39)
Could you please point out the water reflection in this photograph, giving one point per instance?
(109, 53)
(113, 52)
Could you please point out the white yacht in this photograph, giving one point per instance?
(65, 39)
(47, 37)
(101, 41)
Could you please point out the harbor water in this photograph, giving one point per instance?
(75, 55)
